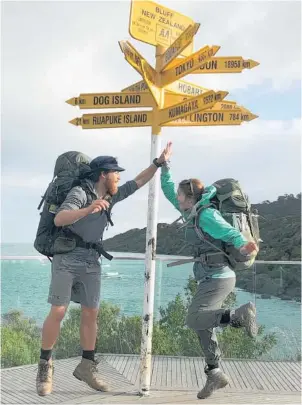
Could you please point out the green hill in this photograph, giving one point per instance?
(280, 230)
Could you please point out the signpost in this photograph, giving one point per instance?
(172, 102)
(178, 46)
(112, 100)
(132, 56)
(188, 65)
(114, 120)
(150, 78)
(213, 117)
(191, 105)
(223, 64)
(230, 64)
(157, 25)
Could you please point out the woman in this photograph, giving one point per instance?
(215, 280)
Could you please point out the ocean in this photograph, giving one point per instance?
(25, 282)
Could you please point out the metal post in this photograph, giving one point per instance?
(150, 260)
(281, 276)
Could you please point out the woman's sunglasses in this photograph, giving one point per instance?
(191, 185)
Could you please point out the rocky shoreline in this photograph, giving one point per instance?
(268, 287)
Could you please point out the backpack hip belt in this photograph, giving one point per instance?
(96, 246)
(88, 245)
(206, 259)
(211, 259)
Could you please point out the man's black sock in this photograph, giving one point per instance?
(88, 354)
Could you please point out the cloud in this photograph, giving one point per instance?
(266, 31)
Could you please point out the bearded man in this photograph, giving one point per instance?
(76, 275)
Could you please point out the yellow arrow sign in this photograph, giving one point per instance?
(226, 105)
(132, 56)
(112, 100)
(213, 117)
(191, 105)
(176, 48)
(185, 88)
(138, 87)
(149, 75)
(157, 25)
(171, 99)
(188, 65)
(230, 64)
(114, 120)
(179, 87)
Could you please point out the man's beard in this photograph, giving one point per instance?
(112, 187)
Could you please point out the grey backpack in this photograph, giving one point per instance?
(70, 167)
(234, 206)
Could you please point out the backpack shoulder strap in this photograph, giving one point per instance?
(199, 211)
(88, 193)
(199, 231)
(90, 199)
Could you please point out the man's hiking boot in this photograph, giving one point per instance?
(245, 316)
(87, 371)
(216, 379)
(44, 377)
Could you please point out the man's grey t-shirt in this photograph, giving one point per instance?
(91, 227)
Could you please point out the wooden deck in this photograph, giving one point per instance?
(174, 380)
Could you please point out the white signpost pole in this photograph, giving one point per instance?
(150, 258)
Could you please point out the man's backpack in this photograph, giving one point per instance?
(70, 167)
(234, 206)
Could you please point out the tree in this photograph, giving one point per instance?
(234, 343)
(20, 340)
(121, 334)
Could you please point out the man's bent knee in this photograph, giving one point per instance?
(57, 313)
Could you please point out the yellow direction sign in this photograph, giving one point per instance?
(185, 88)
(226, 105)
(172, 99)
(157, 25)
(229, 64)
(132, 56)
(138, 87)
(179, 87)
(112, 100)
(149, 75)
(221, 64)
(114, 120)
(190, 106)
(176, 48)
(188, 65)
(213, 117)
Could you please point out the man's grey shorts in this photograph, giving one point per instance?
(75, 276)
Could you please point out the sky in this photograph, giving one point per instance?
(52, 51)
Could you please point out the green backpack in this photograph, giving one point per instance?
(69, 168)
(234, 206)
